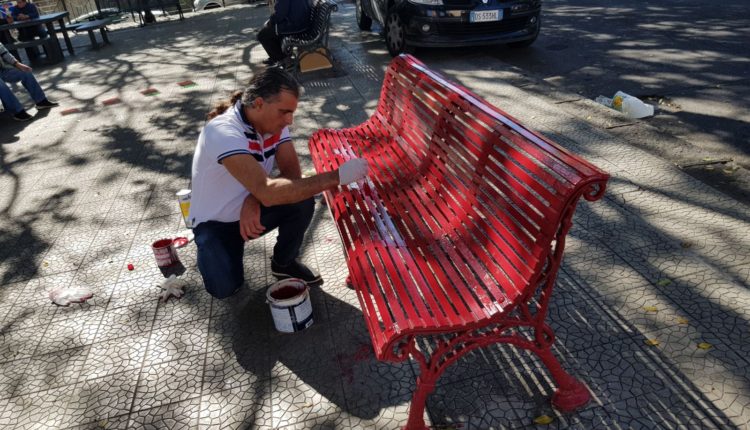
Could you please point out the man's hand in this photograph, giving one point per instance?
(22, 17)
(250, 226)
(353, 170)
(22, 67)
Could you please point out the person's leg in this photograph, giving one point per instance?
(28, 80)
(220, 251)
(10, 101)
(271, 42)
(292, 221)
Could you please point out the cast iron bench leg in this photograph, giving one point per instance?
(94, 43)
(105, 38)
(571, 393)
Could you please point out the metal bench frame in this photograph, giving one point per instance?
(299, 45)
(457, 235)
(91, 26)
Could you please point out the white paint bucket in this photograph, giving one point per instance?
(290, 304)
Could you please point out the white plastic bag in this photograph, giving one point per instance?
(64, 296)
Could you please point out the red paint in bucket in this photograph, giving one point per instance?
(165, 253)
(285, 292)
(291, 309)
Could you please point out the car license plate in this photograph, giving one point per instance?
(486, 15)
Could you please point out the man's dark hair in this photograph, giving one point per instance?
(269, 83)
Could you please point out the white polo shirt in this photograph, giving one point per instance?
(216, 194)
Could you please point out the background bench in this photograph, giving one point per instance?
(52, 55)
(455, 239)
(315, 38)
(91, 26)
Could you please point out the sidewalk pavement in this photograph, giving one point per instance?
(663, 257)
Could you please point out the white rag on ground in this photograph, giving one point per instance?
(64, 296)
(171, 288)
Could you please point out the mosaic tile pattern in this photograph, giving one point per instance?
(661, 257)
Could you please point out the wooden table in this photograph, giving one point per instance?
(48, 21)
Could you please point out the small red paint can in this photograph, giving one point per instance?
(165, 253)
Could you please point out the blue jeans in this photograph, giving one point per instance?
(221, 248)
(10, 102)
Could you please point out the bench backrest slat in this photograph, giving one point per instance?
(453, 181)
(533, 193)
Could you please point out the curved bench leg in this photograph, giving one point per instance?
(571, 393)
(419, 401)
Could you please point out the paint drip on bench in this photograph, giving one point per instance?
(289, 300)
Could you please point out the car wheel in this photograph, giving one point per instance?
(364, 22)
(395, 34)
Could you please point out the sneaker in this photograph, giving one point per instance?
(46, 104)
(22, 116)
(295, 269)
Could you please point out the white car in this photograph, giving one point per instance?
(213, 4)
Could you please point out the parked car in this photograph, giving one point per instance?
(213, 4)
(408, 24)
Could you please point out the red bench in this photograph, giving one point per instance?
(459, 231)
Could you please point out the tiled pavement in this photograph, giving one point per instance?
(661, 257)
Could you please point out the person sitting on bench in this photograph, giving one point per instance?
(6, 17)
(288, 17)
(24, 11)
(12, 70)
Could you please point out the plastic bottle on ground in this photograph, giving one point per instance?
(631, 106)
